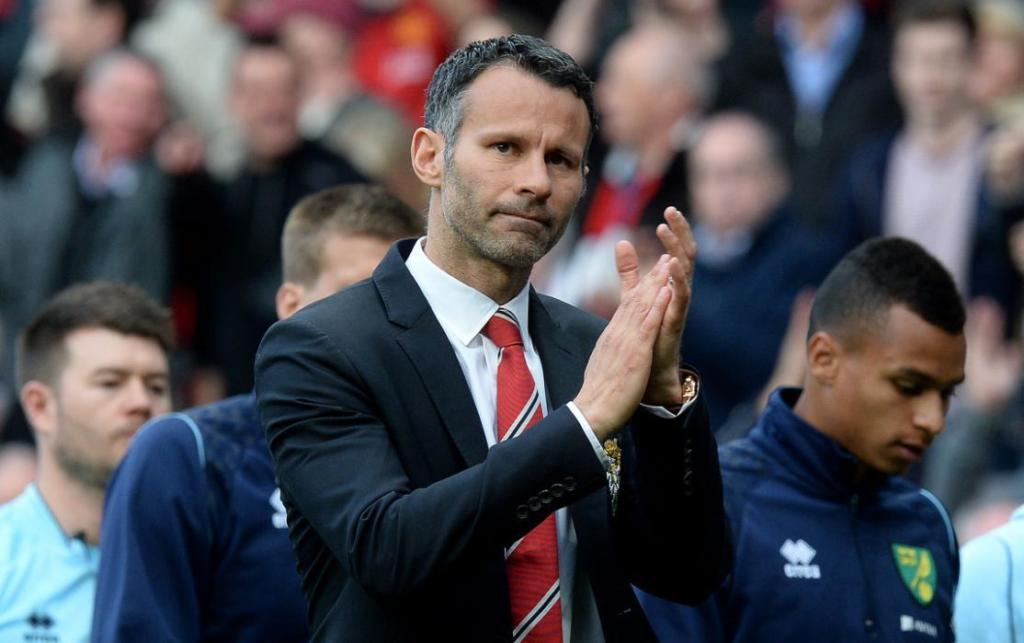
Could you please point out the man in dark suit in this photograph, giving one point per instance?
(389, 407)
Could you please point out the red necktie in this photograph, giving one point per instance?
(532, 561)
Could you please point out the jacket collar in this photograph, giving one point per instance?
(814, 459)
(428, 348)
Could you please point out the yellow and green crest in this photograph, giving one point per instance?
(917, 568)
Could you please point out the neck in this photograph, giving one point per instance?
(655, 155)
(78, 509)
(497, 281)
(813, 410)
(266, 162)
(814, 27)
(940, 136)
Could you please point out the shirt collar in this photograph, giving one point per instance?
(47, 524)
(461, 309)
(119, 180)
(845, 33)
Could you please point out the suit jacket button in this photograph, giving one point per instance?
(557, 490)
(534, 503)
(570, 484)
(545, 497)
(522, 512)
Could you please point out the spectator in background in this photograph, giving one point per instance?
(814, 495)
(15, 30)
(990, 597)
(925, 181)
(755, 257)
(650, 99)
(818, 76)
(92, 369)
(281, 168)
(95, 206)
(196, 48)
(199, 509)
(997, 80)
(984, 446)
(70, 35)
(336, 111)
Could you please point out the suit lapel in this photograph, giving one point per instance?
(430, 353)
(563, 361)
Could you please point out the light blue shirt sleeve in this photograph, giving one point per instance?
(989, 604)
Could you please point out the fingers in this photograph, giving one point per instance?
(628, 264)
(652, 321)
(677, 236)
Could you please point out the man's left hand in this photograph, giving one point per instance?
(664, 387)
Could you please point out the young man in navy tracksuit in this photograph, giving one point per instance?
(194, 542)
(830, 543)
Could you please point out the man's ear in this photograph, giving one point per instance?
(824, 355)
(39, 401)
(288, 299)
(428, 156)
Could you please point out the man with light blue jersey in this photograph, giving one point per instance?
(990, 599)
(92, 368)
(195, 543)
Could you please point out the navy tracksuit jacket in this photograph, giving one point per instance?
(820, 554)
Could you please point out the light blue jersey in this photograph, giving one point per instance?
(990, 601)
(47, 579)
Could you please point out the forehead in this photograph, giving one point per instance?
(506, 98)
(263, 63)
(92, 349)
(730, 141)
(932, 34)
(906, 341)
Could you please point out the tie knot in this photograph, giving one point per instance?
(503, 329)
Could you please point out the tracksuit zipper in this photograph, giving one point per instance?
(870, 624)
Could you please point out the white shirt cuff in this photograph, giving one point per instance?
(662, 412)
(589, 432)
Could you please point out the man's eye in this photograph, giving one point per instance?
(905, 388)
(503, 148)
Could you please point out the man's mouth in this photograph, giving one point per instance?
(912, 451)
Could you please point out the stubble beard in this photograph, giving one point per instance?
(510, 250)
(80, 466)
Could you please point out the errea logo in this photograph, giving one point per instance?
(799, 554)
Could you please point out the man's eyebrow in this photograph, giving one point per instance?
(926, 380)
(121, 372)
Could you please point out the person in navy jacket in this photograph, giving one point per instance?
(830, 542)
(194, 543)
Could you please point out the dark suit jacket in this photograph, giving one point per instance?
(399, 512)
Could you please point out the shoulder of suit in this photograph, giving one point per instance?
(572, 318)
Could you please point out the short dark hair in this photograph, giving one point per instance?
(121, 308)
(353, 209)
(879, 274)
(916, 12)
(444, 109)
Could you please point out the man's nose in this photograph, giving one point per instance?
(930, 413)
(533, 176)
(140, 399)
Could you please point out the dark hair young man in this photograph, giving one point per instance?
(438, 430)
(194, 543)
(92, 368)
(830, 543)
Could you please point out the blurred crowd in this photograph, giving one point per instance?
(163, 142)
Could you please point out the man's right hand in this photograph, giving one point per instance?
(620, 365)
